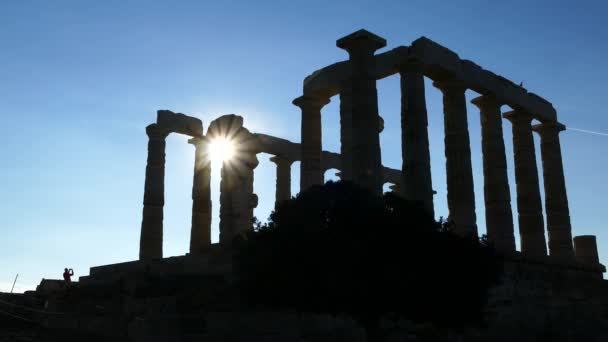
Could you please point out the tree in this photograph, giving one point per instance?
(338, 249)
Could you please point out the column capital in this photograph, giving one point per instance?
(282, 160)
(195, 141)
(548, 129)
(307, 101)
(361, 41)
(155, 132)
(450, 86)
(518, 116)
(486, 101)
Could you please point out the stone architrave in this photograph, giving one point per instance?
(461, 196)
(151, 238)
(497, 196)
(416, 170)
(200, 233)
(559, 229)
(283, 182)
(529, 207)
(310, 166)
(364, 158)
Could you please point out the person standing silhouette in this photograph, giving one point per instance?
(67, 274)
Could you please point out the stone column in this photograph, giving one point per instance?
(556, 200)
(237, 199)
(416, 170)
(346, 133)
(200, 233)
(283, 187)
(310, 166)
(529, 207)
(461, 196)
(497, 196)
(586, 249)
(151, 238)
(365, 158)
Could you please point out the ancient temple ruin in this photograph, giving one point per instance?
(359, 159)
(544, 279)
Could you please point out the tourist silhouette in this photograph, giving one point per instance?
(67, 274)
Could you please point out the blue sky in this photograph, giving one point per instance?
(81, 80)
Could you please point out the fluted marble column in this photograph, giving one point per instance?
(459, 174)
(556, 200)
(310, 166)
(151, 238)
(364, 158)
(529, 207)
(200, 233)
(283, 185)
(497, 196)
(416, 170)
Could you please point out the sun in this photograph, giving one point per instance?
(220, 150)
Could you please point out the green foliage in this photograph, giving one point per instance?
(338, 249)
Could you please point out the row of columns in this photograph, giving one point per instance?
(361, 156)
(237, 199)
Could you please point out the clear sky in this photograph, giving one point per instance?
(80, 80)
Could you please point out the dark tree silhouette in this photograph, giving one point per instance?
(338, 249)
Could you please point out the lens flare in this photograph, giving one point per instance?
(220, 150)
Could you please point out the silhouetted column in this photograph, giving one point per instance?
(416, 170)
(346, 133)
(585, 247)
(310, 166)
(497, 196)
(461, 196)
(237, 200)
(151, 238)
(556, 200)
(529, 207)
(283, 186)
(200, 233)
(365, 158)
(228, 210)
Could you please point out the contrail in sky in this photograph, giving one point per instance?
(587, 131)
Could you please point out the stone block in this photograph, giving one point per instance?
(434, 55)
(328, 81)
(179, 123)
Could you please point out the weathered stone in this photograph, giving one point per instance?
(200, 234)
(416, 169)
(529, 207)
(360, 95)
(151, 239)
(461, 196)
(499, 217)
(179, 123)
(559, 229)
(585, 247)
(283, 185)
(310, 167)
